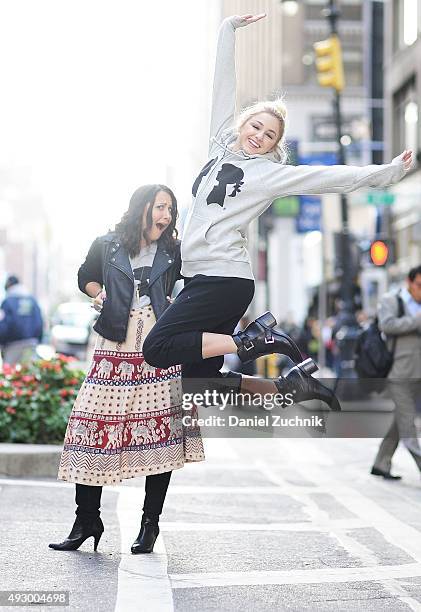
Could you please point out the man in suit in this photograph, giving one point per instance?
(405, 374)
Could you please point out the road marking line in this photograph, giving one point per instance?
(141, 578)
(176, 489)
(252, 578)
(189, 490)
(328, 526)
(364, 508)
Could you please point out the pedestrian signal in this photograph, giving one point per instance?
(379, 252)
(329, 63)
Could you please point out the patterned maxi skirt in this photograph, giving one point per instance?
(127, 417)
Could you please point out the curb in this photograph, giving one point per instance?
(26, 460)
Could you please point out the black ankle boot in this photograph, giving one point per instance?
(305, 387)
(81, 531)
(148, 533)
(260, 339)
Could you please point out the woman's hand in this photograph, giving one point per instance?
(240, 21)
(406, 158)
(98, 301)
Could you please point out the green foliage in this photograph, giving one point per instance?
(36, 400)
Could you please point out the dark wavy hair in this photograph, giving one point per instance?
(130, 228)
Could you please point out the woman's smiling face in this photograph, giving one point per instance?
(259, 134)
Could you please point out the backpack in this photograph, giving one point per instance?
(373, 358)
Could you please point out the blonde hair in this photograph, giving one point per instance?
(277, 109)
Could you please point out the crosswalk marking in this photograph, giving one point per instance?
(141, 578)
(364, 508)
(310, 576)
(326, 526)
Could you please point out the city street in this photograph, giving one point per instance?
(285, 524)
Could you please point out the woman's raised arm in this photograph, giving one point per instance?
(224, 83)
(281, 180)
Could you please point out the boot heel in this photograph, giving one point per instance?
(267, 320)
(308, 366)
(97, 538)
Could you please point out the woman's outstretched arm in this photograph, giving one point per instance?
(279, 180)
(224, 83)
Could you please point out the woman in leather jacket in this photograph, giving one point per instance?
(126, 420)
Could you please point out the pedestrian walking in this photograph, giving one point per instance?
(245, 173)
(127, 418)
(400, 319)
(21, 323)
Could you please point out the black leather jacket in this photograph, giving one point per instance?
(108, 264)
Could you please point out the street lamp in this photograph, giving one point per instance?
(330, 74)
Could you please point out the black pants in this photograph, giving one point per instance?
(206, 304)
(88, 498)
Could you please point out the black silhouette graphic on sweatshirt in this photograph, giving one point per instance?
(228, 175)
(204, 171)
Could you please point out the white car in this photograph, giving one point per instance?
(71, 327)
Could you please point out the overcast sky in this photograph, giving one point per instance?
(99, 97)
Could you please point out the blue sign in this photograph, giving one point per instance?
(309, 219)
(318, 159)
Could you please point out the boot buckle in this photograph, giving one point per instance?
(250, 346)
(270, 340)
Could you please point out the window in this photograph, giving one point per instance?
(405, 19)
(405, 118)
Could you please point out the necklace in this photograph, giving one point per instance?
(139, 282)
(142, 263)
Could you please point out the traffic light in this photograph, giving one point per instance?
(382, 252)
(329, 63)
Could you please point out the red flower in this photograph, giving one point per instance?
(10, 410)
(64, 393)
(46, 386)
(66, 358)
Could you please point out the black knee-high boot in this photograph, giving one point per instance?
(88, 522)
(156, 487)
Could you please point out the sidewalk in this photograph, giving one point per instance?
(29, 460)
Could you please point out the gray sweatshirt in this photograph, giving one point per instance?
(234, 188)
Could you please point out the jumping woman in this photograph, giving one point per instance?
(245, 173)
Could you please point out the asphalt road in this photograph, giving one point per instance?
(264, 524)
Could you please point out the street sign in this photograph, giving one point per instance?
(319, 159)
(380, 198)
(310, 216)
(286, 207)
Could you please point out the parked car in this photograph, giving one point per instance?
(71, 327)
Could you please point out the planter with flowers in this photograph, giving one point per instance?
(36, 400)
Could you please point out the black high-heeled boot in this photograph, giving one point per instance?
(305, 387)
(81, 531)
(260, 339)
(148, 533)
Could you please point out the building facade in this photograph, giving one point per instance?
(402, 94)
